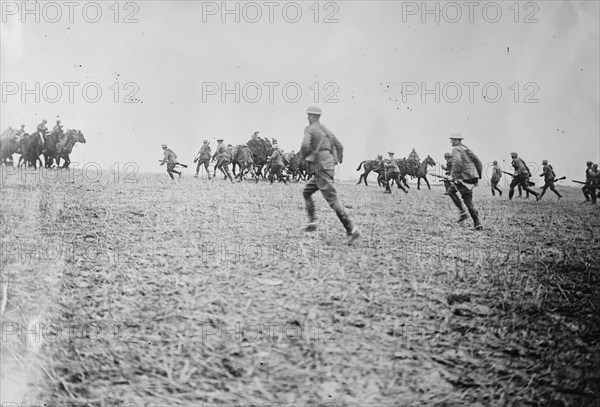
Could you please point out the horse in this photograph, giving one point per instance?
(65, 144)
(296, 166)
(49, 149)
(261, 150)
(9, 145)
(421, 171)
(242, 156)
(31, 149)
(371, 165)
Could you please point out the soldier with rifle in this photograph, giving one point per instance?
(392, 172)
(594, 183)
(496, 175)
(586, 186)
(521, 177)
(448, 170)
(322, 150)
(170, 159)
(464, 176)
(203, 157)
(223, 156)
(549, 179)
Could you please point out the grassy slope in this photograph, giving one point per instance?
(421, 310)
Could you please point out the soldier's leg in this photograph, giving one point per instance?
(592, 192)
(452, 192)
(544, 188)
(227, 172)
(198, 167)
(511, 189)
(585, 192)
(553, 189)
(170, 170)
(467, 195)
(324, 182)
(399, 182)
(387, 183)
(529, 190)
(494, 188)
(309, 189)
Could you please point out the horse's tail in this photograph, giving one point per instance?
(360, 165)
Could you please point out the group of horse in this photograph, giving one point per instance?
(415, 169)
(55, 146)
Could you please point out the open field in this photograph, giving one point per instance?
(160, 294)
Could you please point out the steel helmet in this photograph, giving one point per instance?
(314, 110)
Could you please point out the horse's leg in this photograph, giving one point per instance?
(427, 181)
(419, 183)
(67, 161)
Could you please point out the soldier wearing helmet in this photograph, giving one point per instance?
(170, 159)
(448, 170)
(392, 172)
(496, 175)
(521, 177)
(322, 150)
(276, 167)
(549, 176)
(203, 158)
(586, 187)
(223, 156)
(58, 128)
(466, 170)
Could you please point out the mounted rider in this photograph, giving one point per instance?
(413, 161)
(277, 166)
(21, 132)
(58, 128)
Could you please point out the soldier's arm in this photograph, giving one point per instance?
(456, 163)
(338, 146)
(305, 149)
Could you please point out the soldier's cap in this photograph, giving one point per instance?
(229, 145)
(456, 136)
(205, 141)
(275, 146)
(58, 121)
(514, 154)
(379, 155)
(164, 146)
(595, 166)
(589, 163)
(256, 132)
(44, 121)
(22, 125)
(495, 162)
(391, 152)
(219, 139)
(544, 161)
(314, 110)
(447, 155)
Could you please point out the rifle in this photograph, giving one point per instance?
(529, 183)
(508, 173)
(445, 178)
(579, 182)
(176, 164)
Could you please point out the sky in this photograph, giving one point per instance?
(509, 76)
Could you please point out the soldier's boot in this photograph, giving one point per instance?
(312, 218)
(500, 192)
(351, 231)
(542, 194)
(493, 192)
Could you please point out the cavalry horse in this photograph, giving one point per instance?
(65, 144)
(242, 156)
(421, 171)
(371, 165)
(31, 149)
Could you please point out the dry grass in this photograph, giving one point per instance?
(422, 310)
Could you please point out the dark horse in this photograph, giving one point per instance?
(242, 156)
(31, 149)
(296, 166)
(371, 165)
(50, 148)
(65, 144)
(421, 171)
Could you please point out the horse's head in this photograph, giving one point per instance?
(429, 161)
(79, 137)
(235, 151)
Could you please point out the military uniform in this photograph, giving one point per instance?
(171, 159)
(203, 157)
(549, 175)
(496, 175)
(277, 165)
(466, 169)
(447, 171)
(322, 150)
(414, 160)
(521, 177)
(223, 156)
(594, 182)
(42, 130)
(586, 187)
(57, 128)
(392, 171)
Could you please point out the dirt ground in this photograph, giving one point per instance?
(152, 293)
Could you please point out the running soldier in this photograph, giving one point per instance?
(521, 177)
(549, 176)
(223, 156)
(277, 166)
(171, 159)
(322, 150)
(594, 183)
(586, 187)
(448, 170)
(496, 175)
(203, 157)
(392, 172)
(466, 169)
